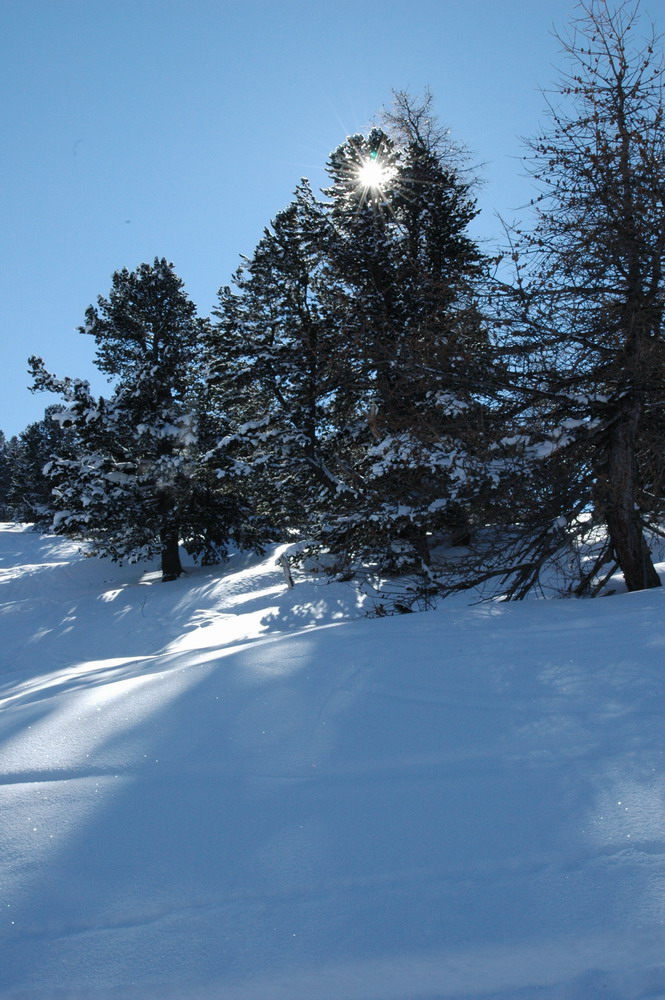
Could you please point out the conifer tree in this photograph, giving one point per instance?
(28, 492)
(352, 355)
(589, 305)
(406, 274)
(136, 486)
(279, 367)
(5, 477)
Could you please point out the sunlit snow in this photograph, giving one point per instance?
(222, 789)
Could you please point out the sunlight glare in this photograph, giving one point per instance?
(373, 175)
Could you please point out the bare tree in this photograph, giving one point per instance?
(590, 298)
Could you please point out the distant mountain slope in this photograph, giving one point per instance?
(219, 789)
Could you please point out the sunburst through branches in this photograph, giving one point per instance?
(373, 176)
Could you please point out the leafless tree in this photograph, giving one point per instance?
(589, 302)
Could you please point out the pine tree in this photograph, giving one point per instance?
(351, 356)
(406, 275)
(28, 491)
(136, 485)
(5, 477)
(278, 370)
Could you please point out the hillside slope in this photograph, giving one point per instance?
(219, 789)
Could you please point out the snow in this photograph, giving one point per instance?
(222, 789)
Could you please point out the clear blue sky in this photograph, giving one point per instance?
(178, 128)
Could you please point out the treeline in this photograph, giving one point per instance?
(375, 386)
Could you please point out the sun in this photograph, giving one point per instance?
(373, 176)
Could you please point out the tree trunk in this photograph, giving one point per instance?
(171, 566)
(621, 513)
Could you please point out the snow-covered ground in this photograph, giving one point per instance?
(220, 789)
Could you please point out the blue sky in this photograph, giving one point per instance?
(178, 128)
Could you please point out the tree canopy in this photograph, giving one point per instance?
(369, 386)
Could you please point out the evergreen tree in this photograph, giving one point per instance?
(136, 485)
(277, 367)
(28, 493)
(352, 357)
(5, 477)
(406, 275)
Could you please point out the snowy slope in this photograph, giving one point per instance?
(218, 789)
